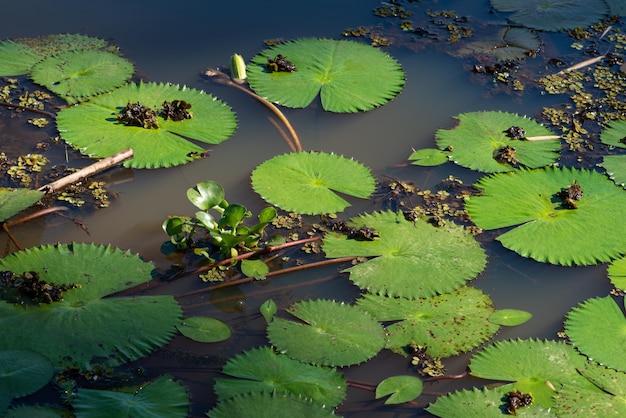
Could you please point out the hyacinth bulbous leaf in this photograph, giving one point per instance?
(85, 327)
(349, 76)
(446, 324)
(530, 364)
(263, 370)
(479, 139)
(410, 259)
(482, 403)
(308, 182)
(161, 398)
(597, 328)
(78, 75)
(16, 58)
(13, 201)
(328, 333)
(545, 230)
(93, 128)
(553, 15)
(269, 405)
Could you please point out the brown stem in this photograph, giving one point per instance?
(88, 171)
(445, 377)
(34, 215)
(11, 237)
(224, 79)
(282, 133)
(29, 109)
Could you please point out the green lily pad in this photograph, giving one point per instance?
(349, 76)
(508, 44)
(447, 324)
(614, 133)
(482, 403)
(553, 15)
(615, 166)
(479, 142)
(308, 182)
(263, 370)
(509, 317)
(204, 329)
(16, 58)
(23, 372)
(85, 328)
(37, 411)
(328, 333)
(411, 259)
(618, 7)
(545, 230)
(160, 398)
(597, 328)
(428, 157)
(13, 201)
(531, 364)
(77, 75)
(617, 273)
(92, 127)
(610, 401)
(269, 405)
(57, 43)
(401, 388)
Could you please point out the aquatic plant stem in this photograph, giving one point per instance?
(223, 78)
(29, 109)
(6, 225)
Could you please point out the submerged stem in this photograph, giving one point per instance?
(29, 109)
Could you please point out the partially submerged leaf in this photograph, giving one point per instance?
(508, 44)
(161, 398)
(428, 157)
(308, 182)
(328, 333)
(349, 76)
(269, 405)
(597, 329)
(94, 129)
(204, 329)
(553, 15)
(545, 230)
(617, 273)
(23, 372)
(401, 388)
(411, 260)
(509, 317)
(16, 58)
(446, 325)
(614, 134)
(263, 370)
(479, 139)
(615, 166)
(13, 201)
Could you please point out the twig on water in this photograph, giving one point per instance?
(29, 109)
(582, 64)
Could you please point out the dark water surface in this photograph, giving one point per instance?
(173, 42)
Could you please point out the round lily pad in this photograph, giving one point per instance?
(509, 317)
(204, 329)
(548, 228)
(409, 259)
(428, 157)
(480, 142)
(349, 76)
(93, 127)
(23, 372)
(78, 75)
(308, 182)
(13, 201)
(401, 388)
(597, 328)
(328, 333)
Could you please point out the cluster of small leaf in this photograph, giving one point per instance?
(29, 289)
(24, 169)
(136, 114)
(13, 92)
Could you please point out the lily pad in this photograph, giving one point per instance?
(447, 324)
(204, 329)
(597, 329)
(428, 157)
(93, 128)
(77, 75)
(482, 403)
(13, 201)
(615, 166)
(349, 76)
(269, 405)
(401, 388)
(161, 398)
(530, 364)
(85, 328)
(544, 229)
(618, 7)
(23, 372)
(411, 259)
(58, 43)
(328, 333)
(263, 370)
(508, 44)
(509, 317)
(37, 411)
(308, 182)
(610, 401)
(617, 273)
(614, 133)
(16, 58)
(553, 15)
(480, 140)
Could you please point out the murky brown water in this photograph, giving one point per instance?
(173, 42)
